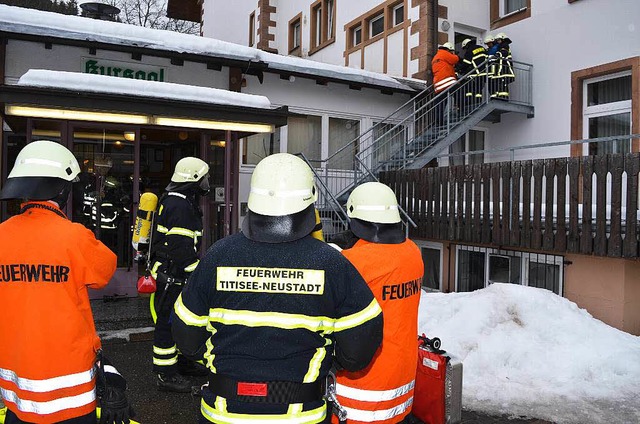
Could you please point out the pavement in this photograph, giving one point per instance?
(126, 329)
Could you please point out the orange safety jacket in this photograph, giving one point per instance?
(48, 340)
(383, 392)
(443, 69)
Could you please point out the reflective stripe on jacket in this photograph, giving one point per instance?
(266, 312)
(177, 235)
(383, 392)
(443, 69)
(48, 347)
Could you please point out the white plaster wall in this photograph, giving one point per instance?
(374, 57)
(229, 20)
(305, 94)
(395, 53)
(557, 39)
(25, 55)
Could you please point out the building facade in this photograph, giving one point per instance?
(582, 69)
(131, 101)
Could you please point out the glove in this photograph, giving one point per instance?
(115, 407)
(110, 390)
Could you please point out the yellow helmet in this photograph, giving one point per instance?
(281, 184)
(373, 202)
(42, 170)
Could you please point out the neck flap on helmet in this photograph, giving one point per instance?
(279, 229)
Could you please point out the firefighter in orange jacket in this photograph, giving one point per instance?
(392, 267)
(48, 342)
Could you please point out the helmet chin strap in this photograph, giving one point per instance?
(63, 197)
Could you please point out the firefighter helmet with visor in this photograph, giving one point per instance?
(281, 184)
(43, 169)
(189, 170)
(373, 202)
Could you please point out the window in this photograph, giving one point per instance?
(356, 35)
(544, 275)
(504, 269)
(252, 29)
(341, 133)
(432, 259)
(317, 16)
(389, 140)
(398, 14)
(470, 142)
(506, 12)
(304, 135)
(471, 273)
(258, 146)
(505, 266)
(295, 35)
(607, 112)
(376, 25)
(323, 25)
(330, 12)
(511, 6)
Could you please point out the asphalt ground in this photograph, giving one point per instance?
(133, 360)
(126, 328)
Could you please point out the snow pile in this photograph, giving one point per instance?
(528, 352)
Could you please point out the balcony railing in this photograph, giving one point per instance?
(586, 204)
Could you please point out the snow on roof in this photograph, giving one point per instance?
(531, 353)
(106, 84)
(35, 22)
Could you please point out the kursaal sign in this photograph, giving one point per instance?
(121, 69)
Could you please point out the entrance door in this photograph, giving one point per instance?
(103, 200)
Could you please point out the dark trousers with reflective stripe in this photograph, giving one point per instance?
(91, 418)
(165, 298)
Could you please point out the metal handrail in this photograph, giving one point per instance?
(402, 137)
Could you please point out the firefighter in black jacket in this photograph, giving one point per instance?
(473, 60)
(270, 309)
(174, 256)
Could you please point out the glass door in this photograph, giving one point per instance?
(103, 200)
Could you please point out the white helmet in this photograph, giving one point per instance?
(447, 46)
(42, 170)
(489, 39)
(189, 170)
(373, 202)
(281, 184)
(465, 42)
(501, 36)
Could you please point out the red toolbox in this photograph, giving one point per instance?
(437, 395)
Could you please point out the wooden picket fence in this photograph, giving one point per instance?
(524, 204)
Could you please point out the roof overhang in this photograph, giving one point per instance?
(20, 102)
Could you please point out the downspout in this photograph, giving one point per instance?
(434, 37)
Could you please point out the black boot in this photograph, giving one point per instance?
(191, 368)
(173, 383)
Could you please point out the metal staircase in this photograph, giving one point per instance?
(412, 137)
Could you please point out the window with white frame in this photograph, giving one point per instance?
(477, 267)
(343, 132)
(511, 6)
(607, 112)
(376, 25)
(470, 142)
(304, 135)
(356, 36)
(389, 140)
(432, 259)
(296, 35)
(258, 146)
(398, 14)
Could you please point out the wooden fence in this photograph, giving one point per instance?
(524, 204)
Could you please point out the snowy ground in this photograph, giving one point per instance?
(528, 352)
